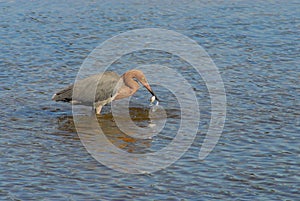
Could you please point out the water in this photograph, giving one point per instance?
(256, 48)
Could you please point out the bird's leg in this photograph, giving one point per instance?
(98, 109)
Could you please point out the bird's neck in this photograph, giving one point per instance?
(131, 83)
(128, 88)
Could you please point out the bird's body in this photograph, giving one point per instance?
(100, 89)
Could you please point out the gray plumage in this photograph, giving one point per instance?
(103, 83)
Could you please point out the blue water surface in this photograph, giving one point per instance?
(255, 45)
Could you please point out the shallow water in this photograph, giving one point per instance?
(255, 45)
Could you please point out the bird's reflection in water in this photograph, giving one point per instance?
(89, 129)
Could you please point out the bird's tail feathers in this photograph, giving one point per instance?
(64, 95)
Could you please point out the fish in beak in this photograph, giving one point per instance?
(154, 97)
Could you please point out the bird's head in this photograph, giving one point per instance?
(140, 77)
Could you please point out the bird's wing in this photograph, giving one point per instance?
(95, 88)
(92, 89)
(107, 86)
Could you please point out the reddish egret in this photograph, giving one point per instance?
(100, 89)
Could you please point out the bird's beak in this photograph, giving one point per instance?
(147, 86)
